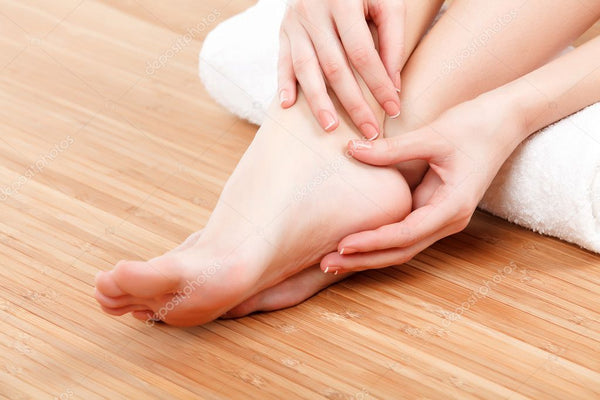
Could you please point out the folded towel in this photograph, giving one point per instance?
(550, 184)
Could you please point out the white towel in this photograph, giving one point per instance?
(551, 183)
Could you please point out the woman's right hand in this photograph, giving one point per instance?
(322, 40)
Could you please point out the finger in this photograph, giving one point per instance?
(441, 212)
(308, 72)
(340, 77)
(285, 74)
(422, 144)
(288, 293)
(388, 17)
(360, 49)
(334, 262)
(424, 191)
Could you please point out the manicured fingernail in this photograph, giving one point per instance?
(327, 120)
(392, 109)
(360, 145)
(370, 131)
(347, 250)
(331, 270)
(283, 97)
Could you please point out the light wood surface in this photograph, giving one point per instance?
(144, 156)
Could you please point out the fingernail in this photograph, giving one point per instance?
(326, 120)
(347, 250)
(332, 270)
(283, 97)
(360, 145)
(370, 131)
(392, 109)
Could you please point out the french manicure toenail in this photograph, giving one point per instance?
(361, 145)
(336, 272)
(342, 252)
(326, 270)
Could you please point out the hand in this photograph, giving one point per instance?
(326, 38)
(465, 147)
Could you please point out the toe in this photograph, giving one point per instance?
(105, 283)
(144, 315)
(116, 302)
(124, 310)
(148, 279)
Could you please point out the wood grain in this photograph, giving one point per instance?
(103, 158)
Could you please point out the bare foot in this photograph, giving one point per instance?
(293, 196)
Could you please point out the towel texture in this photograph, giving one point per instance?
(551, 183)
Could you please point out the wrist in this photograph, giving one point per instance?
(515, 105)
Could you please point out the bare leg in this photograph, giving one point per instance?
(477, 46)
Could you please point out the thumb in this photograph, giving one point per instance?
(422, 144)
(388, 16)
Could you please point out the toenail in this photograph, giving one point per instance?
(326, 270)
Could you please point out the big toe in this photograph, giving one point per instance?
(148, 279)
(106, 284)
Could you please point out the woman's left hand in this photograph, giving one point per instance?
(465, 147)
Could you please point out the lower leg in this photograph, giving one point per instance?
(477, 46)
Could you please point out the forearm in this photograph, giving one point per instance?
(555, 90)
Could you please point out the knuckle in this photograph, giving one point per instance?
(302, 7)
(356, 109)
(404, 257)
(301, 63)
(360, 56)
(332, 70)
(381, 91)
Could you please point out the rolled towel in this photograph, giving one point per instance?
(550, 184)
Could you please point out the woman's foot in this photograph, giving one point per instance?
(293, 196)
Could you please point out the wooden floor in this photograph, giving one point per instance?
(105, 155)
